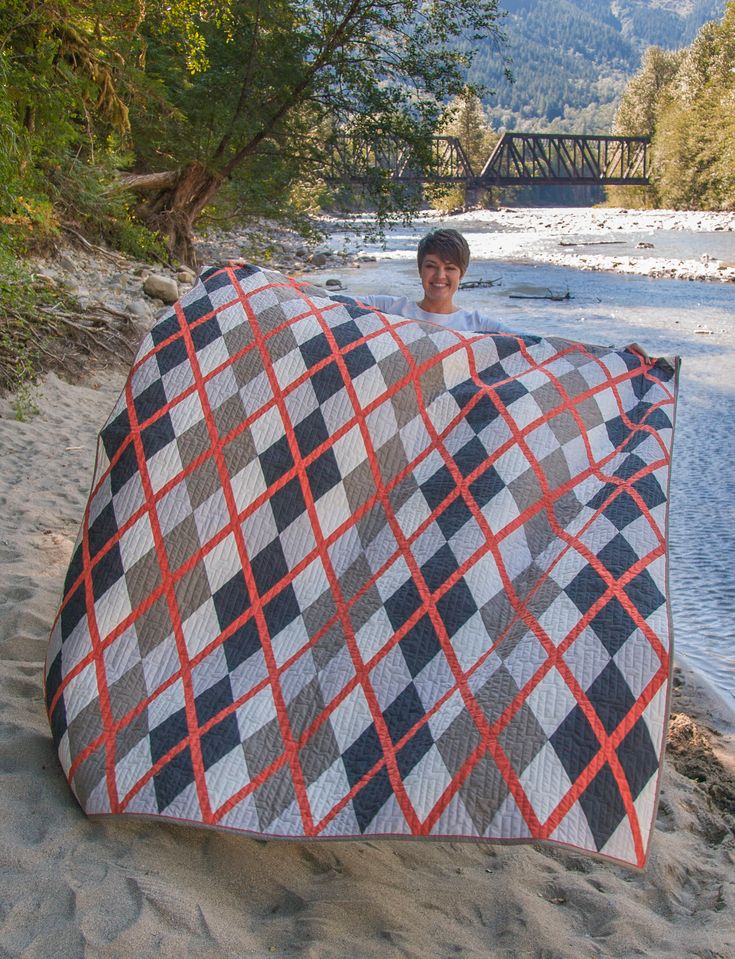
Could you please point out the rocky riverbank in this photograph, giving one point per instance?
(119, 297)
(137, 290)
(98, 278)
(101, 279)
(106, 300)
(590, 239)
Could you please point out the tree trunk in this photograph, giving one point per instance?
(174, 209)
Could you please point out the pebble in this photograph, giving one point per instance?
(274, 246)
(94, 280)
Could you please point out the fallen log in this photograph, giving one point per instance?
(591, 242)
(549, 295)
(479, 284)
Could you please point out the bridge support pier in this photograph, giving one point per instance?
(474, 194)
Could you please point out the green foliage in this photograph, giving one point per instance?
(465, 118)
(253, 112)
(647, 91)
(11, 148)
(68, 70)
(22, 331)
(24, 402)
(273, 84)
(685, 102)
(238, 97)
(87, 194)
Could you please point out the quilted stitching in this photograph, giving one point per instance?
(345, 575)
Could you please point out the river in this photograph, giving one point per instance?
(662, 315)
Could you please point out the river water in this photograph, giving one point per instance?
(662, 315)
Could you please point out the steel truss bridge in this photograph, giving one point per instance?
(518, 158)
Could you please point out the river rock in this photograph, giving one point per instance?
(161, 288)
(45, 276)
(140, 309)
(319, 259)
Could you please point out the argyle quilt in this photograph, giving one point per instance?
(344, 575)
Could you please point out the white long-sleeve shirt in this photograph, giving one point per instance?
(471, 320)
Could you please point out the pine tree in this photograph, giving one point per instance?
(465, 119)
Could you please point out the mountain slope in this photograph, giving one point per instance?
(571, 59)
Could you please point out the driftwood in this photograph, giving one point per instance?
(113, 257)
(548, 295)
(116, 313)
(98, 326)
(148, 182)
(591, 242)
(479, 284)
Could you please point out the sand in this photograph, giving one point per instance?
(73, 887)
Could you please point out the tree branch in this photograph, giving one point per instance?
(244, 89)
(352, 17)
(148, 182)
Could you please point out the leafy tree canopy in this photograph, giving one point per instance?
(198, 96)
(271, 82)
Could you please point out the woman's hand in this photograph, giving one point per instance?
(639, 351)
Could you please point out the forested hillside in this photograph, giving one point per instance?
(571, 59)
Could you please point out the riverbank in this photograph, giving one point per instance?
(587, 239)
(119, 889)
(128, 294)
(592, 239)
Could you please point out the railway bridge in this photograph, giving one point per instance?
(518, 158)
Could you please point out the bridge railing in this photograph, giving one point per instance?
(518, 158)
(360, 160)
(567, 158)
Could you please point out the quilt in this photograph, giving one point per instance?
(346, 575)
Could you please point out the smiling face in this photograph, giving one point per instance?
(440, 280)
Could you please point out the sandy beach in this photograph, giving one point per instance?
(74, 887)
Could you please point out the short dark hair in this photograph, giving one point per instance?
(448, 245)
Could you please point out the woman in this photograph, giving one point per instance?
(443, 257)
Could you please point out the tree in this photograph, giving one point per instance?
(640, 105)
(64, 87)
(465, 119)
(268, 78)
(636, 115)
(684, 101)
